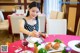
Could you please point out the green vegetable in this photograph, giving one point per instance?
(64, 51)
(42, 50)
(37, 44)
(57, 40)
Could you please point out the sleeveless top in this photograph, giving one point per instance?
(30, 27)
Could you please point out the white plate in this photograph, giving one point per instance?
(60, 48)
(72, 44)
(34, 39)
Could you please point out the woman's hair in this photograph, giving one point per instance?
(33, 4)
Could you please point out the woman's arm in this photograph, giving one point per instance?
(23, 30)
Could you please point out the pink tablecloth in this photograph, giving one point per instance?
(64, 38)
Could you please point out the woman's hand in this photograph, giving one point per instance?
(42, 34)
(34, 33)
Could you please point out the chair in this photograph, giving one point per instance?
(56, 26)
(20, 11)
(15, 26)
(53, 14)
(78, 28)
(72, 18)
(56, 15)
(60, 15)
(4, 25)
(42, 21)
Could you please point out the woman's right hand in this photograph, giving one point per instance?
(34, 33)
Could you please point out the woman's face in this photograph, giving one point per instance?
(34, 12)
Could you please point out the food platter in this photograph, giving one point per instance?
(52, 50)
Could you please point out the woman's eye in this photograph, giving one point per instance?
(37, 12)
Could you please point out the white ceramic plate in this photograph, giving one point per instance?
(72, 44)
(60, 48)
(34, 39)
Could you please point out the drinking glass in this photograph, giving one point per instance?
(24, 43)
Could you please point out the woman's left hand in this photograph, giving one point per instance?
(42, 34)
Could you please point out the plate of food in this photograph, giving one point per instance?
(52, 46)
(75, 45)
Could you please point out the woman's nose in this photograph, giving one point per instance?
(35, 13)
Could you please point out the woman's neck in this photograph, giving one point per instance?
(30, 18)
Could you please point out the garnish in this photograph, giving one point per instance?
(37, 44)
(57, 40)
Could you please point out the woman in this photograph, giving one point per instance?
(29, 26)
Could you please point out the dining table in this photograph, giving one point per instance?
(50, 38)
